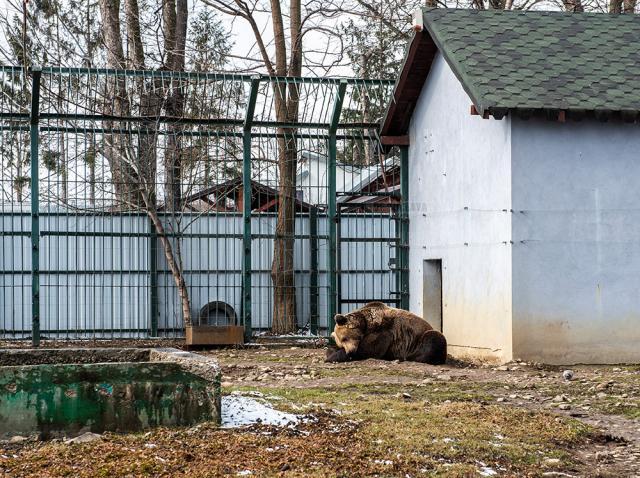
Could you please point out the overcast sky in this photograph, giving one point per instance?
(244, 44)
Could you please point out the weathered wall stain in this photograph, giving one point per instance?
(67, 399)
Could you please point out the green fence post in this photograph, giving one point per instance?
(153, 279)
(404, 227)
(246, 208)
(332, 266)
(313, 272)
(35, 207)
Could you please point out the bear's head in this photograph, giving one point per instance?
(349, 331)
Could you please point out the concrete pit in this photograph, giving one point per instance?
(67, 392)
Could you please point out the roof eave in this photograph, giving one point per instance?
(417, 63)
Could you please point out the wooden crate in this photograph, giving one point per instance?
(214, 335)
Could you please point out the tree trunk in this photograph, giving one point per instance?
(124, 174)
(174, 15)
(629, 6)
(127, 191)
(573, 6)
(615, 6)
(174, 267)
(282, 267)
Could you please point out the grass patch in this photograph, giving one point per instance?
(442, 429)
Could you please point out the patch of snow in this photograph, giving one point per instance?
(244, 473)
(486, 470)
(383, 462)
(239, 411)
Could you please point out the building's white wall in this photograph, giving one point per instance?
(576, 232)
(459, 161)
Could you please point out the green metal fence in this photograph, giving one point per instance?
(135, 201)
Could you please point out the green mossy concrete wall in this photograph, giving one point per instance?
(68, 399)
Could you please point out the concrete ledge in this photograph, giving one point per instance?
(71, 355)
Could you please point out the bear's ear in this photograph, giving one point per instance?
(341, 319)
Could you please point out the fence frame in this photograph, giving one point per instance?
(34, 118)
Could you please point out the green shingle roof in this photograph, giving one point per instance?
(527, 63)
(542, 60)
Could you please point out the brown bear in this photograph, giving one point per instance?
(382, 332)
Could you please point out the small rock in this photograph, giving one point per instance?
(406, 395)
(501, 399)
(18, 439)
(604, 456)
(285, 467)
(564, 406)
(601, 395)
(616, 369)
(567, 375)
(444, 377)
(552, 461)
(226, 384)
(85, 438)
(502, 368)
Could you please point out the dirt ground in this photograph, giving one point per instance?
(376, 418)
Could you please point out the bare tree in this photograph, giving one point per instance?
(287, 59)
(134, 169)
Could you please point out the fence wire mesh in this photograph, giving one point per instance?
(137, 202)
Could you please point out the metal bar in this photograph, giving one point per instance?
(55, 272)
(153, 280)
(372, 193)
(246, 207)
(200, 121)
(404, 227)
(199, 133)
(332, 256)
(181, 235)
(313, 272)
(35, 206)
(365, 301)
(369, 239)
(203, 75)
(90, 331)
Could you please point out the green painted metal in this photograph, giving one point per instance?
(314, 293)
(223, 122)
(332, 256)
(246, 208)
(153, 280)
(186, 133)
(203, 75)
(404, 227)
(35, 208)
(330, 124)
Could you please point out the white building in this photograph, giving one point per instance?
(524, 166)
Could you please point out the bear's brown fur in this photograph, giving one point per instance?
(382, 332)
